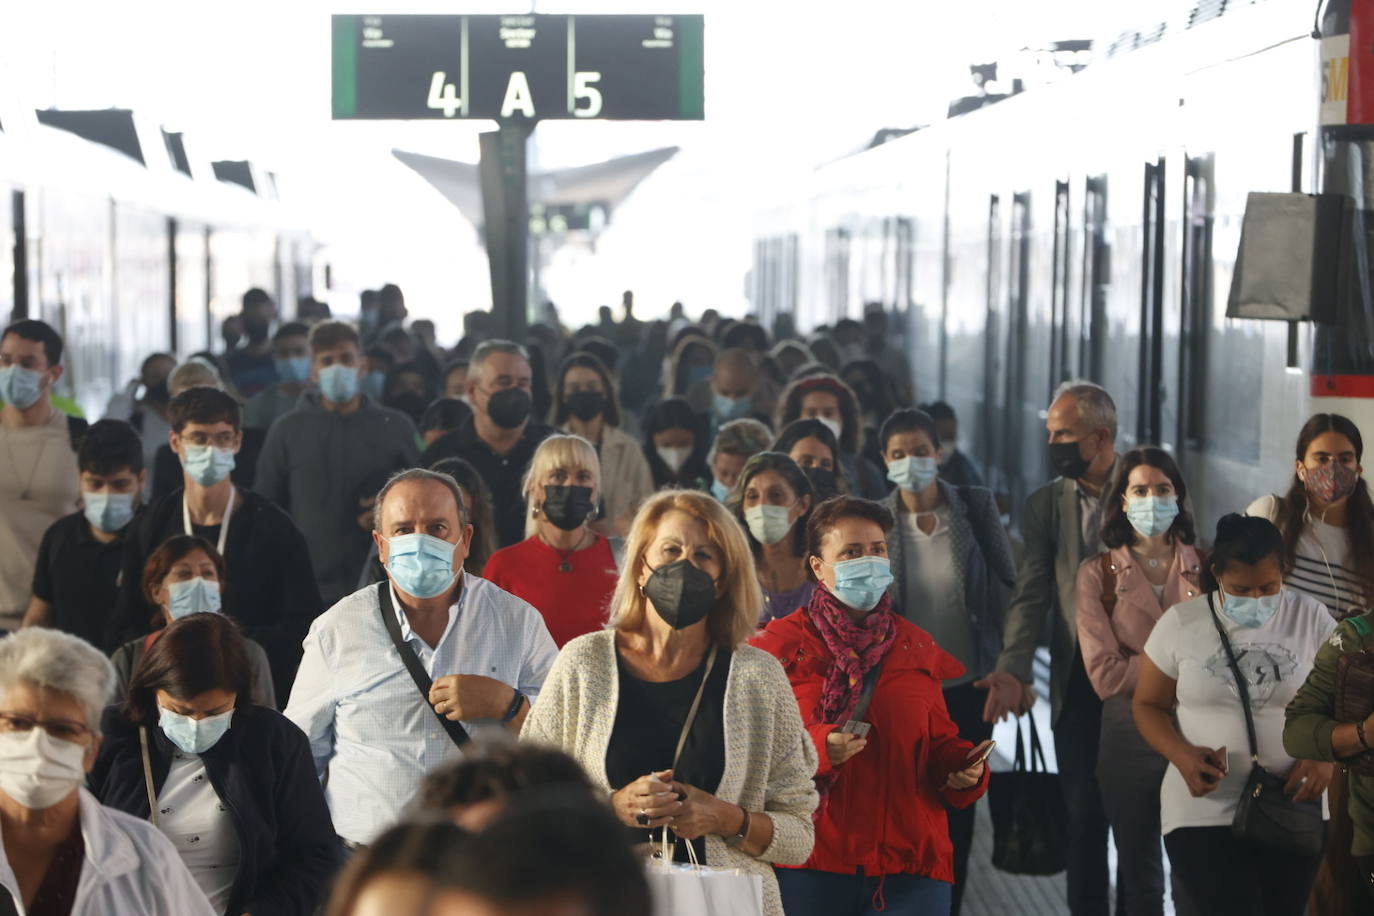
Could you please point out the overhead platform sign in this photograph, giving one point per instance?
(517, 68)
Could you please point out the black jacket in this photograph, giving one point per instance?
(262, 770)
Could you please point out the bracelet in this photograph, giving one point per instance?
(1359, 733)
(739, 838)
(514, 709)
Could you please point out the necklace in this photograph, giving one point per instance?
(26, 492)
(565, 555)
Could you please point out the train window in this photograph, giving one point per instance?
(1060, 359)
(1092, 318)
(1151, 391)
(1028, 381)
(1197, 294)
(991, 426)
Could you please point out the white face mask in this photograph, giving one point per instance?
(833, 425)
(675, 458)
(38, 770)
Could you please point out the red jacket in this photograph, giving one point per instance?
(886, 811)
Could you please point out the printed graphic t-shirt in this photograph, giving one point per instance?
(1274, 659)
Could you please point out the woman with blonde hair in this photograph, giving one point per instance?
(685, 727)
(562, 567)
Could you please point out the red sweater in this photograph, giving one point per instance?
(886, 811)
(573, 602)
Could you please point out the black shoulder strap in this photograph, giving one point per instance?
(870, 685)
(1241, 685)
(417, 671)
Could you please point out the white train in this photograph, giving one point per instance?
(1087, 228)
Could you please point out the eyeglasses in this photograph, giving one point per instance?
(218, 440)
(61, 729)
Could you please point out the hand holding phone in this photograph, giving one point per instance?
(980, 753)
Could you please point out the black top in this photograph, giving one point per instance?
(270, 585)
(167, 466)
(79, 576)
(263, 771)
(648, 723)
(501, 473)
(960, 470)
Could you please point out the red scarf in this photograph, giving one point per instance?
(856, 649)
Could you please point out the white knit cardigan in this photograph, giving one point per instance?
(770, 761)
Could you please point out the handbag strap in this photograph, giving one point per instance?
(870, 685)
(1241, 684)
(423, 682)
(1037, 751)
(696, 704)
(1108, 582)
(148, 774)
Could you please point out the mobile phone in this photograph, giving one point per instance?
(853, 727)
(980, 753)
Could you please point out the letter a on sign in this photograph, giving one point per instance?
(518, 96)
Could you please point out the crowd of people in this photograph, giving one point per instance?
(339, 620)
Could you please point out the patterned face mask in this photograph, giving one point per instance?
(1330, 482)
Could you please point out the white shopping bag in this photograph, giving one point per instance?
(695, 890)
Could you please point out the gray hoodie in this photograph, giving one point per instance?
(312, 464)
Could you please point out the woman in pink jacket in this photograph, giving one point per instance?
(1150, 565)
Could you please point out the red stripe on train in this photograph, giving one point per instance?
(1343, 386)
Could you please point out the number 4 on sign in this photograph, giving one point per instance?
(443, 96)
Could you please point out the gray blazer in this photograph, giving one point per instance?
(982, 553)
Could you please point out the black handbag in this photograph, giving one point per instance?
(1029, 817)
(1265, 814)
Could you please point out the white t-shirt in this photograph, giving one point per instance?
(935, 593)
(1321, 562)
(1275, 659)
(192, 816)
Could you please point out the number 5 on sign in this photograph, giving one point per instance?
(443, 96)
(583, 90)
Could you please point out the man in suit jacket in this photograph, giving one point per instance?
(1060, 526)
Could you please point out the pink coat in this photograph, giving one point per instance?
(1111, 645)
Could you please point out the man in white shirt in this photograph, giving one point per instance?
(487, 652)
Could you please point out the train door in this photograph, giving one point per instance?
(991, 421)
(1092, 317)
(1062, 355)
(1196, 292)
(1151, 392)
(1024, 342)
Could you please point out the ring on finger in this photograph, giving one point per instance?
(642, 818)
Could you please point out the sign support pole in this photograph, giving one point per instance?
(503, 172)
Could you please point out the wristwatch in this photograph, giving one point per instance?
(514, 710)
(739, 838)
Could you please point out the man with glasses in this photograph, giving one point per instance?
(500, 437)
(317, 455)
(270, 584)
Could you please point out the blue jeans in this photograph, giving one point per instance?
(822, 893)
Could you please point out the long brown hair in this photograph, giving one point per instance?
(1359, 509)
(197, 653)
(1117, 530)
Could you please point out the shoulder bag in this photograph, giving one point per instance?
(1265, 814)
(1354, 699)
(423, 682)
(1029, 817)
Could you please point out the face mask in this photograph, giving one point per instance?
(108, 512)
(1250, 612)
(681, 594)
(206, 464)
(339, 383)
(719, 490)
(292, 368)
(833, 425)
(38, 770)
(1066, 460)
(193, 736)
(1151, 515)
(256, 329)
(509, 407)
(730, 408)
(1330, 482)
(675, 458)
(586, 404)
(374, 384)
(568, 507)
(420, 564)
(822, 480)
(768, 524)
(193, 596)
(20, 387)
(697, 374)
(913, 473)
(862, 581)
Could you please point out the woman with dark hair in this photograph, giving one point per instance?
(442, 416)
(1190, 708)
(185, 576)
(772, 502)
(1150, 564)
(876, 394)
(881, 833)
(478, 500)
(585, 404)
(824, 397)
(230, 783)
(813, 446)
(691, 362)
(675, 446)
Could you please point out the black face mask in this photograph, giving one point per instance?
(1066, 460)
(681, 594)
(509, 407)
(256, 329)
(568, 507)
(822, 480)
(586, 404)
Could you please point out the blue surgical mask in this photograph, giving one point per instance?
(292, 369)
(768, 524)
(192, 596)
(420, 564)
(719, 490)
(20, 387)
(730, 408)
(339, 383)
(374, 384)
(913, 473)
(206, 464)
(697, 374)
(193, 736)
(1151, 515)
(862, 581)
(1249, 612)
(107, 511)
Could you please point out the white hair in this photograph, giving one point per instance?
(61, 662)
(1095, 405)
